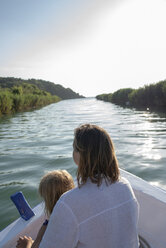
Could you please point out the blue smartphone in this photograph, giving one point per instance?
(22, 205)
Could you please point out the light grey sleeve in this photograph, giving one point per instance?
(62, 230)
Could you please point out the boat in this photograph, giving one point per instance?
(151, 225)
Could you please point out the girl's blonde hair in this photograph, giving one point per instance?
(53, 185)
(97, 155)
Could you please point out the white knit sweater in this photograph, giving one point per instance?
(94, 217)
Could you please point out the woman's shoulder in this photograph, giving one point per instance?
(126, 187)
(69, 194)
(124, 181)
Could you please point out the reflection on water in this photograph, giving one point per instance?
(35, 142)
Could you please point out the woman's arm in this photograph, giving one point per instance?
(62, 230)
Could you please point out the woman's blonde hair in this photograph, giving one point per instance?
(97, 155)
(53, 185)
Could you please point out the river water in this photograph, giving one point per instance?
(32, 143)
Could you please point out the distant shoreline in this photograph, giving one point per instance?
(149, 97)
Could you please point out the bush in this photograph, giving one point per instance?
(153, 95)
(23, 98)
(5, 102)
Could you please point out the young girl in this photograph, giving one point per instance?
(51, 187)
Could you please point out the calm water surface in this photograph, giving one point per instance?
(33, 143)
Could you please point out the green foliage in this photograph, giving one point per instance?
(5, 102)
(149, 96)
(18, 101)
(121, 96)
(25, 97)
(153, 95)
(104, 97)
(17, 90)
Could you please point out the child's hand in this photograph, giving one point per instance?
(24, 242)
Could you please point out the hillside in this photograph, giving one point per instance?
(53, 89)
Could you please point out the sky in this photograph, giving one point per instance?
(90, 46)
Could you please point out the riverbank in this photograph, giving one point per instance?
(151, 96)
(18, 94)
(23, 98)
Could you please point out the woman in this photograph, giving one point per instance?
(102, 212)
